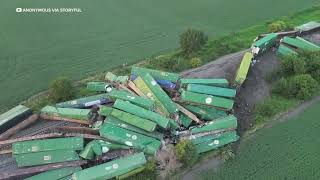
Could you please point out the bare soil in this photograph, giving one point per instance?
(254, 90)
(314, 37)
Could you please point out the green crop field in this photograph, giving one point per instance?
(37, 47)
(288, 150)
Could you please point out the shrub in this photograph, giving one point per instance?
(299, 86)
(282, 87)
(227, 153)
(270, 107)
(166, 63)
(151, 165)
(61, 89)
(149, 173)
(186, 152)
(302, 86)
(313, 65)
(195, 62)
(277, 26)
(266, 108)
(192, 40)
(293, 65)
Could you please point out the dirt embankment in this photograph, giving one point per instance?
(254, 90)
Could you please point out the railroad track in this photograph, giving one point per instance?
(41, 128)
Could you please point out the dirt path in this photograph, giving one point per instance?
(224, 67)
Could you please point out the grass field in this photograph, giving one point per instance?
(37, 47)
(289, 150)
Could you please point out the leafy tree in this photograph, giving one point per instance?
(186, 152)
(293, 65)
(192, 40)
(61, 89)
(312, 60)
(299, 86)
(302, 86)
(277, 26)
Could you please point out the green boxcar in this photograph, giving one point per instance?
(142, 86)
(198, 140)
(208, 82)
(124, 95)
(66, 178)
(208, 100)
(46, 157)
(55, 174)
(286, 51)
(99, 87)
(13, 117)
(243, 69)
(110, 77)
(300, 43)
(124, 136)
(84, 102)
(87, 152)
(141, 112)
(160, 94)
(116, 122)
(222, 140)
(173, 125)
(211, 90)
(82, 114)
(229, 122)
(117, 79)
(139, 71)
(111, 169)
(308, 26)
(185, 120)
(264, 44)
(134, 120)
(97, 147)
(206, 113)
(71, 143)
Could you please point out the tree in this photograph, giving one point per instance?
(312, 60)
(192, 40)
(302, 86)
(277, 26)
(293, 65)
(186, 152)
(61, 89)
